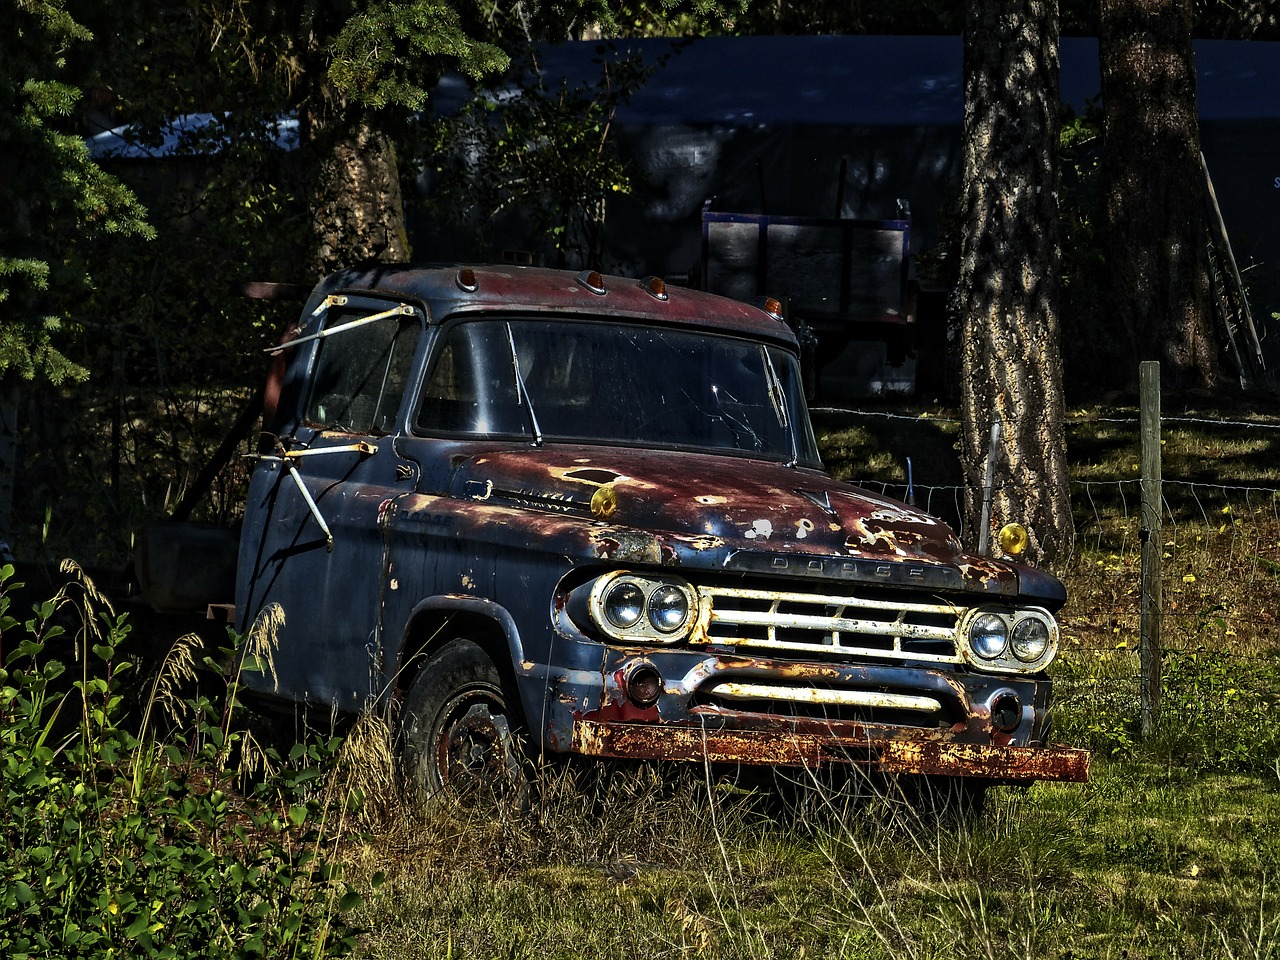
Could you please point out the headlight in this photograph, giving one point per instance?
(988, 636)
(668, 608)
(636, 607)
(1030, 639)
(624, 604)
(1009, 640)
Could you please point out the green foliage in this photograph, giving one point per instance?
(1089, 339)
(175, 353)
(1220, 711)
(55, 198)
(377, 56)
(544, 154)
(113, 843)
(1096, 702)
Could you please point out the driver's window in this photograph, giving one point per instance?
(361, 374)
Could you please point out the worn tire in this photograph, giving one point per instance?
(458, 729)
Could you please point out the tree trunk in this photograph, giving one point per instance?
(1007, 294)
(357, 208)
(1152, 191)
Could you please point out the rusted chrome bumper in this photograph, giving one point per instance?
(925, 756)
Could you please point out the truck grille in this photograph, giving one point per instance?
(816, 624)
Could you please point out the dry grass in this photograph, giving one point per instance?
(1140, 863)
(1171, 851)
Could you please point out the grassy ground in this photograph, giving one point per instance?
(1172, 849)
(1144, 861)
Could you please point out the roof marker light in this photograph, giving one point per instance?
(770, 305)
(656, 287)
(592, 280)
(467, 280)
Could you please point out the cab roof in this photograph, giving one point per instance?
(448, 290)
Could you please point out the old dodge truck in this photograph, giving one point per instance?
(536, 511)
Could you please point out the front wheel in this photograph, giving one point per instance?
(456, 730)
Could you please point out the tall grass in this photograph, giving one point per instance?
(147, 820)
(118, 841)
(660, 863)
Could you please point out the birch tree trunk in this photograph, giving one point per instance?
(1011, 368)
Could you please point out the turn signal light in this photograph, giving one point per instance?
(644, 685)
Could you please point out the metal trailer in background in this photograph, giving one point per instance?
(838, 280)
(727, 120)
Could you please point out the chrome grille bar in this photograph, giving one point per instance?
(809, 622)
(734, 690)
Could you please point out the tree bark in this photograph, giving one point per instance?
(357, 207)
(1152, 192)
(1011, 368)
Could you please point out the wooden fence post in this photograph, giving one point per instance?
(1152, 539)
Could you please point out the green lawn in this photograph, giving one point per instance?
(1143, 861)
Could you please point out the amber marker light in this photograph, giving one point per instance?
(1013, 539)
(593, 281)
(467, 280)
(656, 287)
(770, 305)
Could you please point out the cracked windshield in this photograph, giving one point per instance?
(614, 383)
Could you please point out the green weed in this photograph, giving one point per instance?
(115, 843)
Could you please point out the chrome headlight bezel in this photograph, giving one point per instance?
(1017, 623)
(650, 626)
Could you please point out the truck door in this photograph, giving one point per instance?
(313, 544)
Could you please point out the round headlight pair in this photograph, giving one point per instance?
(667, 606)
(1028, 640)
(636, 608)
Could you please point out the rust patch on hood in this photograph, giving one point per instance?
(593, 475)
(664, 507)
(632, 546)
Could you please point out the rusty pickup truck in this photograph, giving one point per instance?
(530, 510)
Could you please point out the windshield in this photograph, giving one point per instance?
(615, 383)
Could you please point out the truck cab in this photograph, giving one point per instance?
(574, 514)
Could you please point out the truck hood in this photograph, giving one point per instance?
(740, 514)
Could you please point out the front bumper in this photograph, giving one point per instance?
(833, 745)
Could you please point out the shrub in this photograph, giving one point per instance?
(113, 843)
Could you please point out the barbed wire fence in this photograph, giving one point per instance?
(1218, 603)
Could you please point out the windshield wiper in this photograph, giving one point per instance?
(522, 392)
(779, 398)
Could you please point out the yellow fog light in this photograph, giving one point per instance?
(604, 502)
(1013, 539)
